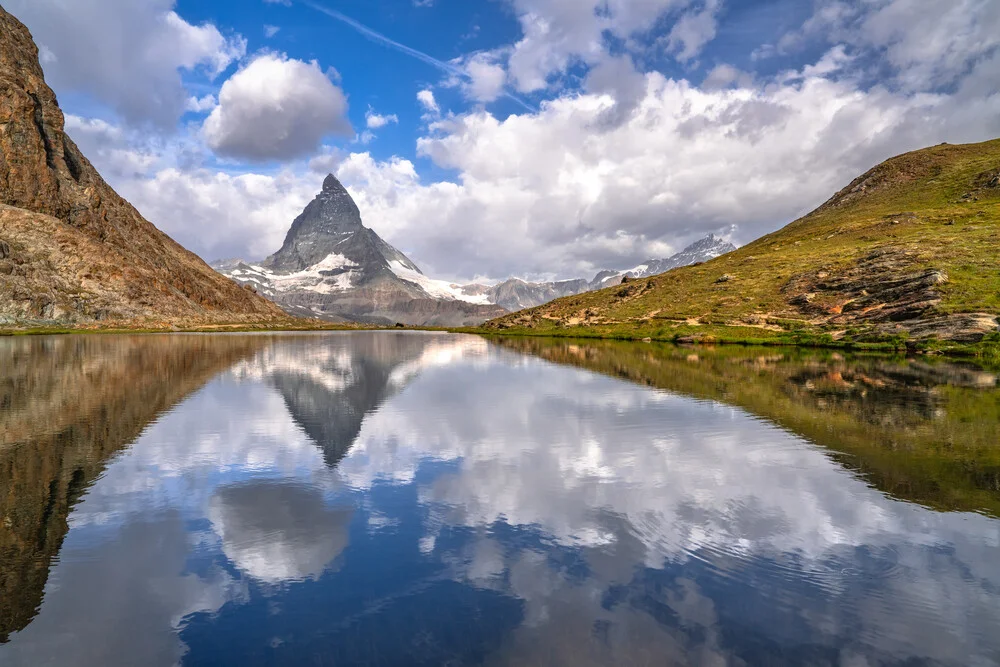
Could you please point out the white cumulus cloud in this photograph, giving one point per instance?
(276, 108)
(375, 121)
(427, 101)
(127, 54)
(486, 78)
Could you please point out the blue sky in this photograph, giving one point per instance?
(491, 138)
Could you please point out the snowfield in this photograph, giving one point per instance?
(438, 289)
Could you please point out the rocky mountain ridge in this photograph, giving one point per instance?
(71, 250)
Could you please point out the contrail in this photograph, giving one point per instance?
(403, 48)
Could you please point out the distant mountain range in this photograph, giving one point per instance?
(514, 294)
(333, 267)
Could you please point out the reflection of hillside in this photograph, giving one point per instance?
(68, 405)
(922, 431)
(330, 388)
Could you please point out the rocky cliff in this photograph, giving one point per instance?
(71, 249)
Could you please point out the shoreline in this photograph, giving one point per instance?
(988, 349)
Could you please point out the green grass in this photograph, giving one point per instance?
(988, 349)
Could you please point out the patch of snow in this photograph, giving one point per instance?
(439, 289)
(310, 278)
(338, 283)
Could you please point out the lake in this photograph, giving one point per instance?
(395, 498)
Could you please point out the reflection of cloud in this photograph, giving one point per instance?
(546, 446)
(662, 481)
(120, 601)
(227, 432)
(279, 531)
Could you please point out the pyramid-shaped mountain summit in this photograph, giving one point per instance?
(333, 267)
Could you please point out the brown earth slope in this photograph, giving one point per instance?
(71, 249)
(909, 249)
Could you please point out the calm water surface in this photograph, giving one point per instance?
(423, 499)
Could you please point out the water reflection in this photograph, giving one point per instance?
(429, 499)
(924, 430)
(278, 531)
(68, 404)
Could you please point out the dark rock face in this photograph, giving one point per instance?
(329, 219)
(884, 289)
(80, 252)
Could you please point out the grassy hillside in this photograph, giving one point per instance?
(909, 249)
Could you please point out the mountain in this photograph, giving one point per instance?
(910, 248)
(333, 267)
(700, 251)
(73, 251)
(517, 294)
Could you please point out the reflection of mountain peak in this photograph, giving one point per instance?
(329, 390)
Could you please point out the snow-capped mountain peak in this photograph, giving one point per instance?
(332, 266)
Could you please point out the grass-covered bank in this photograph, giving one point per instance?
(911, 248)
(987, 349)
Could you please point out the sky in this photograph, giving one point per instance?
(495, 138)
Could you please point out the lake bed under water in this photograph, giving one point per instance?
(390, 498)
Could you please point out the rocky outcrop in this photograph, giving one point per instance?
(886, 288)
(882, 287)
(73, 250)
